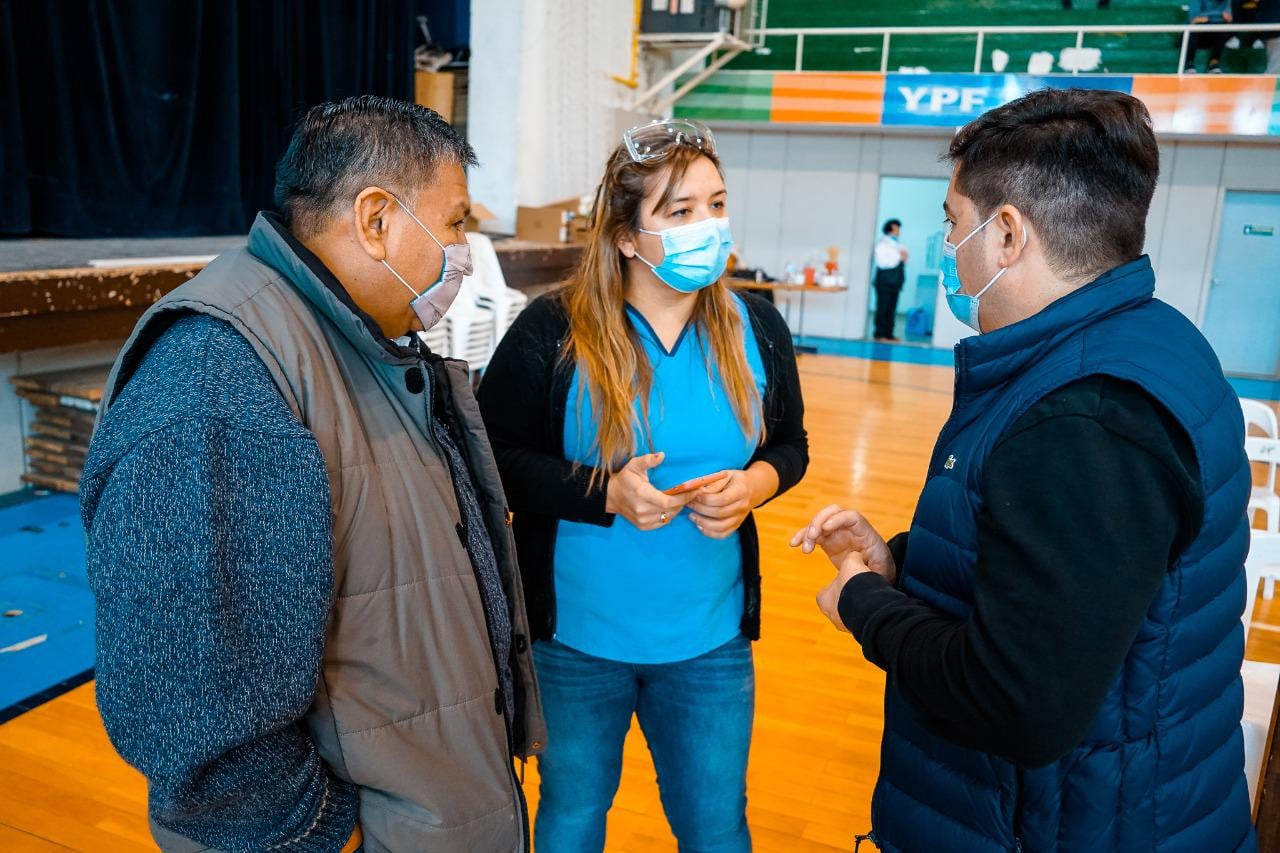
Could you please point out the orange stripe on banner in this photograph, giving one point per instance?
(827, 94)
(828, 98)
(824, 117)
(828, 103)
(1201, 104)
(871, 84)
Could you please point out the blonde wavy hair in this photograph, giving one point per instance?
(606, 350)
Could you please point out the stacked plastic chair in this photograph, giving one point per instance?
(482, 313)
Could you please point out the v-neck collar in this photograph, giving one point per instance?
(647, 327)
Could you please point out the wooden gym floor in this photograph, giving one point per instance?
(818, 721)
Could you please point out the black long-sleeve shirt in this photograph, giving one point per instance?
(523, 400)
(1087, 500)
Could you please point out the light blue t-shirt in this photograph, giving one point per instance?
(669, 594)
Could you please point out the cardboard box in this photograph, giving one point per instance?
(434, 89)
(479, 215)
(557, 222)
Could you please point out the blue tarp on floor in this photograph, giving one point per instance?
(42, 574)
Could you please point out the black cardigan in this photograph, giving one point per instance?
(523, 398)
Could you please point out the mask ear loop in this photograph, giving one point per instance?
(415, 293)
(444, 257)
(641, 257)
(646, 263)
(414, 217)
(979, 228)
(978, 295)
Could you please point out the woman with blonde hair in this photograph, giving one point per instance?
(637, 416)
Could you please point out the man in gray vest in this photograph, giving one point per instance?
(311, 631)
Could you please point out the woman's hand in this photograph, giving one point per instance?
(632, 496)
(720, 508)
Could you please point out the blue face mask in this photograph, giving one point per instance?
(962, 305)
(695, 254)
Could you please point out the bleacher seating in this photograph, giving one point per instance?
(1121, 54)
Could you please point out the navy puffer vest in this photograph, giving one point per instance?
(1161, 767)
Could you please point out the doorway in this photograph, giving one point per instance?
(917, 203)
(1242, 314)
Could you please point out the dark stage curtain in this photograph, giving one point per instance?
(162, 118)
(15, 205)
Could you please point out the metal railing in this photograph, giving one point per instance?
(759, 36)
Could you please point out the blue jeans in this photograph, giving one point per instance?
(696, 716)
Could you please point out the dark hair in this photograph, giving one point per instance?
(1080, 164)
(890, 225)
(342, 147)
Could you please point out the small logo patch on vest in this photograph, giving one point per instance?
(950, 463)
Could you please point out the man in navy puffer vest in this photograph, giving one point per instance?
(1061, 624)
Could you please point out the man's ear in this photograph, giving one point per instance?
(371, 208)
(1012, 225)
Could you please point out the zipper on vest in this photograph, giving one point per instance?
(957, 406)
(499, 700)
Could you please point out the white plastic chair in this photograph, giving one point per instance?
(516, 302)
(481, 314)
(1265, 451)
(437, 338)
(1084, 59)
(1260, 679)
(1259, 414)
(1264, 498)
(491, 285)
(472, 327)
(1261, 418)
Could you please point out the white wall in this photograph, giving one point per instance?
(1182, 230)
(544, 110)
(493, 102)
(795, 191)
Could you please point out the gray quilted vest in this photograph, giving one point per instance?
(408, 706)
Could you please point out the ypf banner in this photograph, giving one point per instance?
(952, 100)
(1236, 105)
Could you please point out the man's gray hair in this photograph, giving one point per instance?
(340, 148)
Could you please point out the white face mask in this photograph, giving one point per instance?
(431, 305)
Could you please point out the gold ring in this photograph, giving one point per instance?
(664, 518)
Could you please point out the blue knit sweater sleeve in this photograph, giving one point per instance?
(207, 519)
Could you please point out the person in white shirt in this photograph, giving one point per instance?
(891, 261)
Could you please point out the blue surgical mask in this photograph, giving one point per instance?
(962, 305)
(695, 254)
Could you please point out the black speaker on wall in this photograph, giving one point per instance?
(661, 17)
